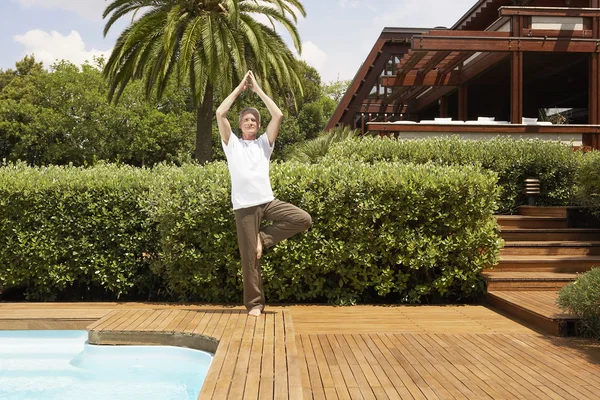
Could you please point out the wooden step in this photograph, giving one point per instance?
(551, 248)
(534, 307)
(528, 281)
(531, 222)
(547, 263)
(555, 235)
(537, 211)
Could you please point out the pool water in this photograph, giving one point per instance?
(53, 365)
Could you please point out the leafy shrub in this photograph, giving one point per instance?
(582, 298)
(381, 232)
(589, 182)
(554, 163)
(74, 231)
(385, 231)
(313, 150)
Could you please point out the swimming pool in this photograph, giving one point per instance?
(53, 365)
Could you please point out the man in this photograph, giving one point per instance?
(251, 193)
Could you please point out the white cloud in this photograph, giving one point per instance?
(52, 46)
(313, 56)
(352, 3)
(88, 9)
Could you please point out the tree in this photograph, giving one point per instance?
(209, 43)
(336, 90)
(63, 117)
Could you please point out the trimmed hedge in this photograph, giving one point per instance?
(381, 232)
(589, 182)
(71, 233)
(554, 163)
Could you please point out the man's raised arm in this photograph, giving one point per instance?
(222, 122)
(276, 114)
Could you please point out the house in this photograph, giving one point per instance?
(496, 71)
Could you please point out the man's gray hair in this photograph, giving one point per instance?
(250, 110)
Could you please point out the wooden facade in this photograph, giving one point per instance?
(506, 59)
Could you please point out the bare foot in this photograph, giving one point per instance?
(255, 312)
(258, 248)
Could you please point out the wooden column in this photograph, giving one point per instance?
(516, 77)
(588, 139)
(516, 87)
(444, 107)
(592, 139)
(462, 102)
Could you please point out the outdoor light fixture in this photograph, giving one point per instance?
(531, 189)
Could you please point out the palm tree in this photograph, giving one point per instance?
(208, 43)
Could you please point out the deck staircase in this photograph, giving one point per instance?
(545, 249)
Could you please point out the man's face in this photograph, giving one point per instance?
(249, 125)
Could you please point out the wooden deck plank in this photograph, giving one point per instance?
(402, 382)
(197, 324)
(506, 380)
(214, 372)
(362, 381)
(293, 364)
(349, 378)
(185, 321)
(126, 316)
(380, 373)
(306, 389)
(524, 369)
(267, 376)
(254, 370)
(210, 326)
(437, 382)
(240, 373)
(281, 375)
(441, 349)
(101, 320)
(176, 320)
(135, 322)
(334, 368)
(472, 366)
(565, 383)
(155, 323)
(226, 375)
(316, 383)
(109, 319)
(446, 373)
(167, 320)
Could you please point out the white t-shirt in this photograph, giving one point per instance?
(248, 162)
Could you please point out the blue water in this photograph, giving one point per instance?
(60, 365)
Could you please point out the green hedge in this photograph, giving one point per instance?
(554, 163)
(72, 233)
(381, 232)
(589, 182)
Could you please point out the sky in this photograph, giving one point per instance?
(336, 35)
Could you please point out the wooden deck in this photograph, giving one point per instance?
(361, 352)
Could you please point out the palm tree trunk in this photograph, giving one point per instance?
(204, 116)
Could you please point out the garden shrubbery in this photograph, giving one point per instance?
(582, 298)
(554, 163)
(71, 233)
(381, 232)
(589, 182)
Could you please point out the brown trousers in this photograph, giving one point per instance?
(287, 221)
